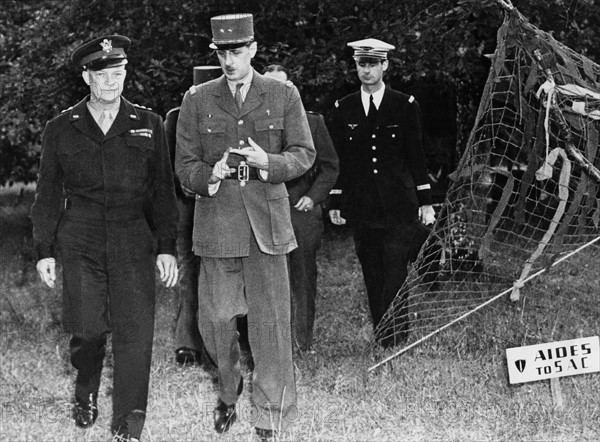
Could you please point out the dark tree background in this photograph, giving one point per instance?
(440, 56)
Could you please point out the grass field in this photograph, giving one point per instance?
(451, 388)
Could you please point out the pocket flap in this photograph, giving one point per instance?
(213, 127)
(269, 124)
(142, 143)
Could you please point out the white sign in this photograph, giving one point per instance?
(553, 360)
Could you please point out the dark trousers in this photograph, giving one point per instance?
(108, 286)
(308, 228)
(256, 286)
(186, 321)
(384, 256)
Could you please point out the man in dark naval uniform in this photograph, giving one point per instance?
(382, 189)
(240, 137)
(105, 183)
(306, 194)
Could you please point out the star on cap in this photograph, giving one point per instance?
(370, 48)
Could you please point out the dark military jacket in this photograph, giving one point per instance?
(383, 175)
(322, 176)
(128, 168)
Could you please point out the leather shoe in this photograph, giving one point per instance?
(185, 355)
(265, 435)
(225, 416)
(86, 411)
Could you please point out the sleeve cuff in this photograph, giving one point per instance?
(167, 246)
(44, 251)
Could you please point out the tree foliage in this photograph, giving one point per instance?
(440, 41)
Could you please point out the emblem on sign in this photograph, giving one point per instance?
(106, 45)
(520, 364)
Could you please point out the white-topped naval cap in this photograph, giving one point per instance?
(370, 48)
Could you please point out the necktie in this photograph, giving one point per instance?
(238, 96)
(372, 111)
(105, 121)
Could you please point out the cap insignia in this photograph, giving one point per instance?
(106, 45)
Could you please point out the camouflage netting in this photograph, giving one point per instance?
(526, 191)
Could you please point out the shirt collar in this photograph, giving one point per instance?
(245, 81)
(377, 97)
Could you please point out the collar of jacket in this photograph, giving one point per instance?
(81, 118)
(254, 97)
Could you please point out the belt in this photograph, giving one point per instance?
(94, 211)
(243, 173)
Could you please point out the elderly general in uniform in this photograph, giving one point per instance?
(105, 187)
(239, 138)
(382, 189)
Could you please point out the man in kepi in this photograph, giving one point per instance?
(306, 194)
(383, 181)
(105, 178)
(239, 138)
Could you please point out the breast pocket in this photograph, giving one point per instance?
(138, 156)
(269, 133)
(81, 164)
(213, 139)
(392, 133)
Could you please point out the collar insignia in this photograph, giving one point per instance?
(352, 126)
(106, 45)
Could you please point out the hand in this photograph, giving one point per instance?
(221, 170)
(305, 204)
(255, 155)
(167, 266)
(188, 192)
(427, 214)
(336, 218)
(47, 270)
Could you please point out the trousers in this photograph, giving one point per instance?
(109, 287)
(384, 255)
(308, 228)
(186, 320)
(256, 286)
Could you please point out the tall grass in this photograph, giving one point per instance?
(451, 388)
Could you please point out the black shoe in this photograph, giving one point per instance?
(225, 416)
(265, 435)
(86, 411)
(185, 355)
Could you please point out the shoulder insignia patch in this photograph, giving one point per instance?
(337, 103)
(411, 99)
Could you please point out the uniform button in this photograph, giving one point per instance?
(270, 126)
(240, 122)
(373, 136)
(209, 130)
(350, 138)
(241, 142)
(374, 170)
(374, 147)
(393, 135)
(374, 160)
